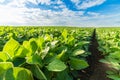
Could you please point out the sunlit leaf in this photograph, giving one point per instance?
(56, 65)
(11, 46)
(78, 52)
(34, 59)
(78, 64)
(3, 57)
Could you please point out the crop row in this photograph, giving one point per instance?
(109, 45)
(32, 53)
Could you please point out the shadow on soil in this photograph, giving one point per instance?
(96, 70)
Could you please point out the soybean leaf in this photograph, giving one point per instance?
(17, 73)
(11, 46)
(64, 34)
(3, 57)
(33, 45)
(63, 76)
(26, 45)
(40, 42)
(71, 40)
(8, 75)
(56, 65)
(34, 59)
(114, 77)
(78, 64)
(37, 72)
(4, 66)
(21, 52)
(63, 56)
(78, 52)
(22, 73)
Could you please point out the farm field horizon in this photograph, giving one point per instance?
(59, 40)
(56, 53)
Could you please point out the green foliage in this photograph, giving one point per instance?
(78, 64)
(37, 72)
(108, 40)
(34, 59)
(11, 46)
(42, 53)
(78, 52)
(3, 57)
(56, 65)
(8, 72)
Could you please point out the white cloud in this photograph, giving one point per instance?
(93, 13)
(11, 15)
(87, 3)
(76, 1)
(1, 1)
(47, 2)
(49, 17)
(16, 13)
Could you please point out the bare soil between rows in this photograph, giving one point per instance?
(96, 70)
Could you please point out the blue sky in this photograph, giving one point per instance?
(88, 13)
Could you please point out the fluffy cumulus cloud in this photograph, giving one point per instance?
(17, 12)
(84, 4)
(1, 1)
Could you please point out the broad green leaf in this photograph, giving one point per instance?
(26, 45)
(49, 58)
(21, 52)
(56, 65)
(4, 66)
(115, 55)
(81, 43)
(70, 39)
(3, 57)
(113, 49)
(78, 52)
(18, 73)
(8, 75)
(114, 77)
(62, 55)
(78, 64)
(11, 46)
(40, 42)
(63, 76)
(22, 73)
(65, 34)
(33, 45)
(37, 72)
(34, 59)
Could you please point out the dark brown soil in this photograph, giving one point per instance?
(96, 70)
